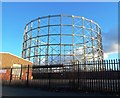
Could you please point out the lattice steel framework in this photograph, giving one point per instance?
(62, 39)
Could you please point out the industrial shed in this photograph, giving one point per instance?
(18, 65)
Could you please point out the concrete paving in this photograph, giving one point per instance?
(26, 91)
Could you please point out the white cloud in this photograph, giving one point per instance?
(110, 43)
(114, 49)
(106, 55)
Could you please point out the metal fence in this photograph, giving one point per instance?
(100, 76)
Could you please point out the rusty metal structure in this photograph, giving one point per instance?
(62, 39)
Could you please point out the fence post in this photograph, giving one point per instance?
(78, 74)
(21, 73)
(49, 72)
(10, 75)
(118, 76)
(73, 81)
(28, 75)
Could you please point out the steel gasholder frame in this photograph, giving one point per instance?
(62, 39)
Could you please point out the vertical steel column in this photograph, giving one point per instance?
(92, 41)
(23, 46)
(48, 41)
(38, 40)
(29, 50)
(52, 57)
(36, 48)
(64, 53)
(73, 61)
(84, 47)
(25, 41)
(60, 36)
(101, 47)
(98, 49)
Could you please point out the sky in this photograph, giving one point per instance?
(60, 0)
(16, 15)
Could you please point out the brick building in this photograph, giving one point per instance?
(19, 67)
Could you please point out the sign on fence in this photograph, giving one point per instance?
(16, 70)
(2, 71)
